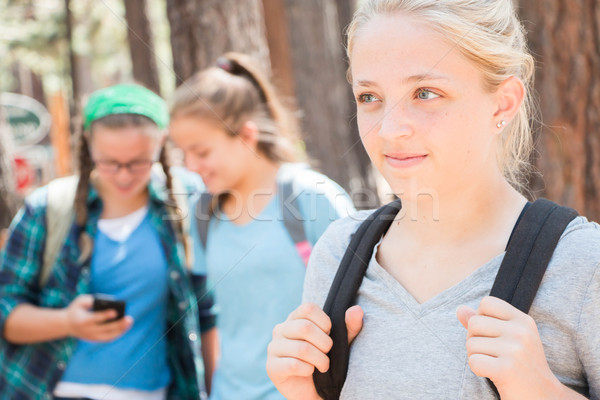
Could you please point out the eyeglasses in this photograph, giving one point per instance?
(134, 167)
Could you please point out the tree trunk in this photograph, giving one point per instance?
(202, 30)
(28, 82)
(279, 47)
(141, 44)
(73, 65)
(328, 122)
(8, 196)
(346, 10)
(565, 37)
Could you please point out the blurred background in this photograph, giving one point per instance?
(53, 53)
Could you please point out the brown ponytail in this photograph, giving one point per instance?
(175, 213)
(234, 92)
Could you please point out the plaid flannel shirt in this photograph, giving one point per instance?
(30, 372)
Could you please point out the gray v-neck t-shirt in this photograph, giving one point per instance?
(408, 350)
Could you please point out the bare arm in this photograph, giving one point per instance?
(28, 324)
(210, 355)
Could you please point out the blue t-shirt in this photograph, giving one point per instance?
(257, 277)
(134, 270)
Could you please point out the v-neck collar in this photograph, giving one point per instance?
(443, 297)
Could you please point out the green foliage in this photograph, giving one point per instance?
(33, 34)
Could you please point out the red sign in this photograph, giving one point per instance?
(23, 173)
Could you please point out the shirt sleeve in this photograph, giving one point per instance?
(206, 305)
(588, 340)
(23, 255)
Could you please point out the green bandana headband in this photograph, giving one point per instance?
(126, 99)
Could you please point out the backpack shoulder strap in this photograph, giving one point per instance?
(203, 213)
(529, 251)
(59, 218)
(528, 254)
(342, 295)
(290, 209)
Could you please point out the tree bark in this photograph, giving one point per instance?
(202, 30)
(279, 48)
(73, 65)
(346, 10)
(8, 196)
(141, 44)
(323, 96)
(28, 82)
(565, 37)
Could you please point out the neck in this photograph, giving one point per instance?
(258, 181)
(461, 216)
(255, 190)
(114, 206)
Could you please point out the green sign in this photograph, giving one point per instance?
(26, 119)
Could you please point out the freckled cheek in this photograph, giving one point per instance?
(191, 162)
(372, 144)
(368, 126)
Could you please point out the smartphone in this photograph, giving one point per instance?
(107, 302)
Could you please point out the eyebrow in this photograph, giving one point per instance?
(410, 79)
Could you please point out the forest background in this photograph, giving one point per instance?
(59, 51)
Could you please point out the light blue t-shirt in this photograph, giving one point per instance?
(257, 277)
(134, 270)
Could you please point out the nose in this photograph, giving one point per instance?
(123, 174)
(193, 163)
(395, 123)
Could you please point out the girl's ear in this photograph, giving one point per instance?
(249, 133)
(509, 97)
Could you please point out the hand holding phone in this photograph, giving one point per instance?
(107, 302)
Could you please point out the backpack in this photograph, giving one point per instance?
(288, 204)
(60, 214)
(528, 253)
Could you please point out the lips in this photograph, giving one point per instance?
(125, 188)
(404, 160)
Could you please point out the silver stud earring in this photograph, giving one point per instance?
(501, 124)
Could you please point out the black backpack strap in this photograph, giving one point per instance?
(203, 213)
(529, 251)
(528, 254)
(342, 295)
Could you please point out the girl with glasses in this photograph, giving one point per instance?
(127, 240)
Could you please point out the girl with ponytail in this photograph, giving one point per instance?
(128, 241)
(236, 134)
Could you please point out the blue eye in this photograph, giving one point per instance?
(366, 98)
(426, 94)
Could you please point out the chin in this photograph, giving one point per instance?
(215, 190)
(411, 190)
(129, 192)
